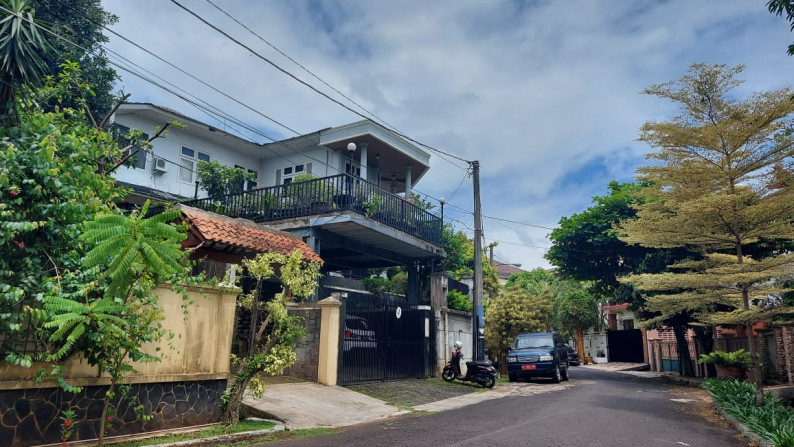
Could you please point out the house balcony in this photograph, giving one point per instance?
(358, 224)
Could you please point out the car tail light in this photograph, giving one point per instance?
(350, 334)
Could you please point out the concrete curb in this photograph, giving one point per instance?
(234, 437)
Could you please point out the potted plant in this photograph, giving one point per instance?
(728, 364)
(306, 189)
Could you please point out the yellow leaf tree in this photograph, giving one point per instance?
(721, 176)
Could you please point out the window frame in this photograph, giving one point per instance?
(197, 156)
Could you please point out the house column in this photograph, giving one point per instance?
(412, 285)
(328, 362)
(408, 181)
(363, 160)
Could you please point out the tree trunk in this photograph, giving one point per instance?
(102, 424)
(705, 338)
(580, 342)
(684, 357)
(231, 412)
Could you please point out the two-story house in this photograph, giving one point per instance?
(354, 211)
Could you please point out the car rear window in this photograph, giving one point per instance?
(534, 342)
(356, 324)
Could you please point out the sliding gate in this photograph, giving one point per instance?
(384, 339)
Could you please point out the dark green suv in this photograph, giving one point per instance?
(542, 354)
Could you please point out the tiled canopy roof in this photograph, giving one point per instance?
(242, 235)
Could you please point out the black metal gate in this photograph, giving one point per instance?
(384, 339)
(625, 346)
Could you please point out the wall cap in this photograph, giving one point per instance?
(331, 301)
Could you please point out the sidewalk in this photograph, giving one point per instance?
(309, 405)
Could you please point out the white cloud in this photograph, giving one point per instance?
(537, 91)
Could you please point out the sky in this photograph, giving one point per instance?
(546, 95)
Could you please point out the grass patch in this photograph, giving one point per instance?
(280, 436)
(406, 394)
(216, 430)
(773, 421)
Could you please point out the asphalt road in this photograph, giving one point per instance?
(601, 409)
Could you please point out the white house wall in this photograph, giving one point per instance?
(170, 148)
(320, 157)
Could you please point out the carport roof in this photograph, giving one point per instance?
(239, 236)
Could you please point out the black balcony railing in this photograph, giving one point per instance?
(326, 195)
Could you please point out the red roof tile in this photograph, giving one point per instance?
(244, 234)
(503, 269)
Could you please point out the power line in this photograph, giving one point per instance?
(213, 111)
(325, 95)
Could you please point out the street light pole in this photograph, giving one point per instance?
(351, 147)
(478, 316)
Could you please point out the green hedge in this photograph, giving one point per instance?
(773, 421)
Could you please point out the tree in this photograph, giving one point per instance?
(80, 23)
(586, 247)
(511, 313)
(720, 183)
(21, 50)
(271, 346)
(575, 310)
(220, 180)
(49, 185)
(111, 316)
(778, 7)
(460, 261)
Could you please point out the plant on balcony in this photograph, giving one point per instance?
(372, 206)
(220, 180)
(306, 190)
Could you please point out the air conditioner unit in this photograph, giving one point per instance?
(160, 165)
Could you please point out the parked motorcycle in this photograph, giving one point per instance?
(480, 372)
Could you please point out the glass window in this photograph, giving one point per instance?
(140, 158)
(299, 168)
(288, 170)
(534, 342)
(189, 164)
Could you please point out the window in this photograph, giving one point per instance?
(138, 154)
(286, 175)
(628, 325)
(188, 162)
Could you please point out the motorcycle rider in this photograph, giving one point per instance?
(456, 356)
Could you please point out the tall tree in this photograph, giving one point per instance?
(778, 7)
(720, 177)
(81, 24)
(576, 310)
(21, 49)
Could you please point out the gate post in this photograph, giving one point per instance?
(329, 340)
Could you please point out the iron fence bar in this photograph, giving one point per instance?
(339, 192)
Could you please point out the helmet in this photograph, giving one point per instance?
(458, 345)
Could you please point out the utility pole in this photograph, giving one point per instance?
(478, 316)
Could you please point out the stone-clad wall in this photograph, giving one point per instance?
(32, 416)
(308, 349)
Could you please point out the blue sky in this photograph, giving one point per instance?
(545, 94)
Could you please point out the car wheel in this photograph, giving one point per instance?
(564, 373)
(448, 375)
(556, 377)
(512, 378)
(489, 382)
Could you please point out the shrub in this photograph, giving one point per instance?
(772, 421)
(739, 359)
(458, 301)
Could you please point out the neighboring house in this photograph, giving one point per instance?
(503, 270)
(354, 215)
(622, 342)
